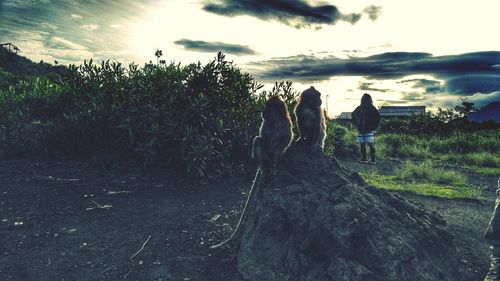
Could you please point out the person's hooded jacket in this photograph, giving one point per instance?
(366, 118)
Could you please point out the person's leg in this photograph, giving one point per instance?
(362, 147)
(372, 153)
(363, 151)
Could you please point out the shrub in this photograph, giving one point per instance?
(340, 140)
(198, 119)
(401, 146)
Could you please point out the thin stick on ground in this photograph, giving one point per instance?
(142, 248)
(98, 206)
(126, 274)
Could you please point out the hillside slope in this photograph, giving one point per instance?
(14, 67)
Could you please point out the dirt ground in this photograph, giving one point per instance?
(68, 221)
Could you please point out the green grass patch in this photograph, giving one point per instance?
(474, 151)
(424, 179)
(487, 171)
(479, 162)
(427, 172)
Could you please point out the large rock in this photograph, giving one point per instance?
(315, 221)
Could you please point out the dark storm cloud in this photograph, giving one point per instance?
(297, 13)
(204, 46)
(472, 83)
(463, 74)
(430, 86)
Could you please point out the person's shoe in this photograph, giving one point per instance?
(362, 161)
(372, 162)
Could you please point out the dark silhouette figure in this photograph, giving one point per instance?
(274, 137)
(366, 118)
(158, 54)
(268, 147)
(311, 119)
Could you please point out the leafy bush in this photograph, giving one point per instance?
(196, 119)
(340, 140)
(417, 124)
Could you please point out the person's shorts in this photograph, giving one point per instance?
(366, 138)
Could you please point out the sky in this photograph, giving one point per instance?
(402, 52)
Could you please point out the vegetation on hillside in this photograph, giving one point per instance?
(15, 68)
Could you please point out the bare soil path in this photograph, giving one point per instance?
(68, 221)
(466, 219)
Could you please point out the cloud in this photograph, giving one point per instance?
(373, 12)
(429, 86)
(67, 30)
(76, 17)
(473, 83)
(463, 74)
(18, 4)
(204, 46)
(412, 96)
(71, 56)
(61, 43)
(391, 102)
(90, 27)
(296, 13)
(367, 86)
(46, 25)
(481, 100)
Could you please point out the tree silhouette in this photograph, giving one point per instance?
(158, 54)
(465, 108)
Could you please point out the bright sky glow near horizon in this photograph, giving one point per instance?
(411, 52)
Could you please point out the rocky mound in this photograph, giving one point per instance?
(315, 221)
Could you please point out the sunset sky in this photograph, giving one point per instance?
(412, 52)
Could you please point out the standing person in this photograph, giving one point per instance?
(366, 119)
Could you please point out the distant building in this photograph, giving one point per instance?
(401, 111)
(345, 116)
(385, 111)
(10, 47)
